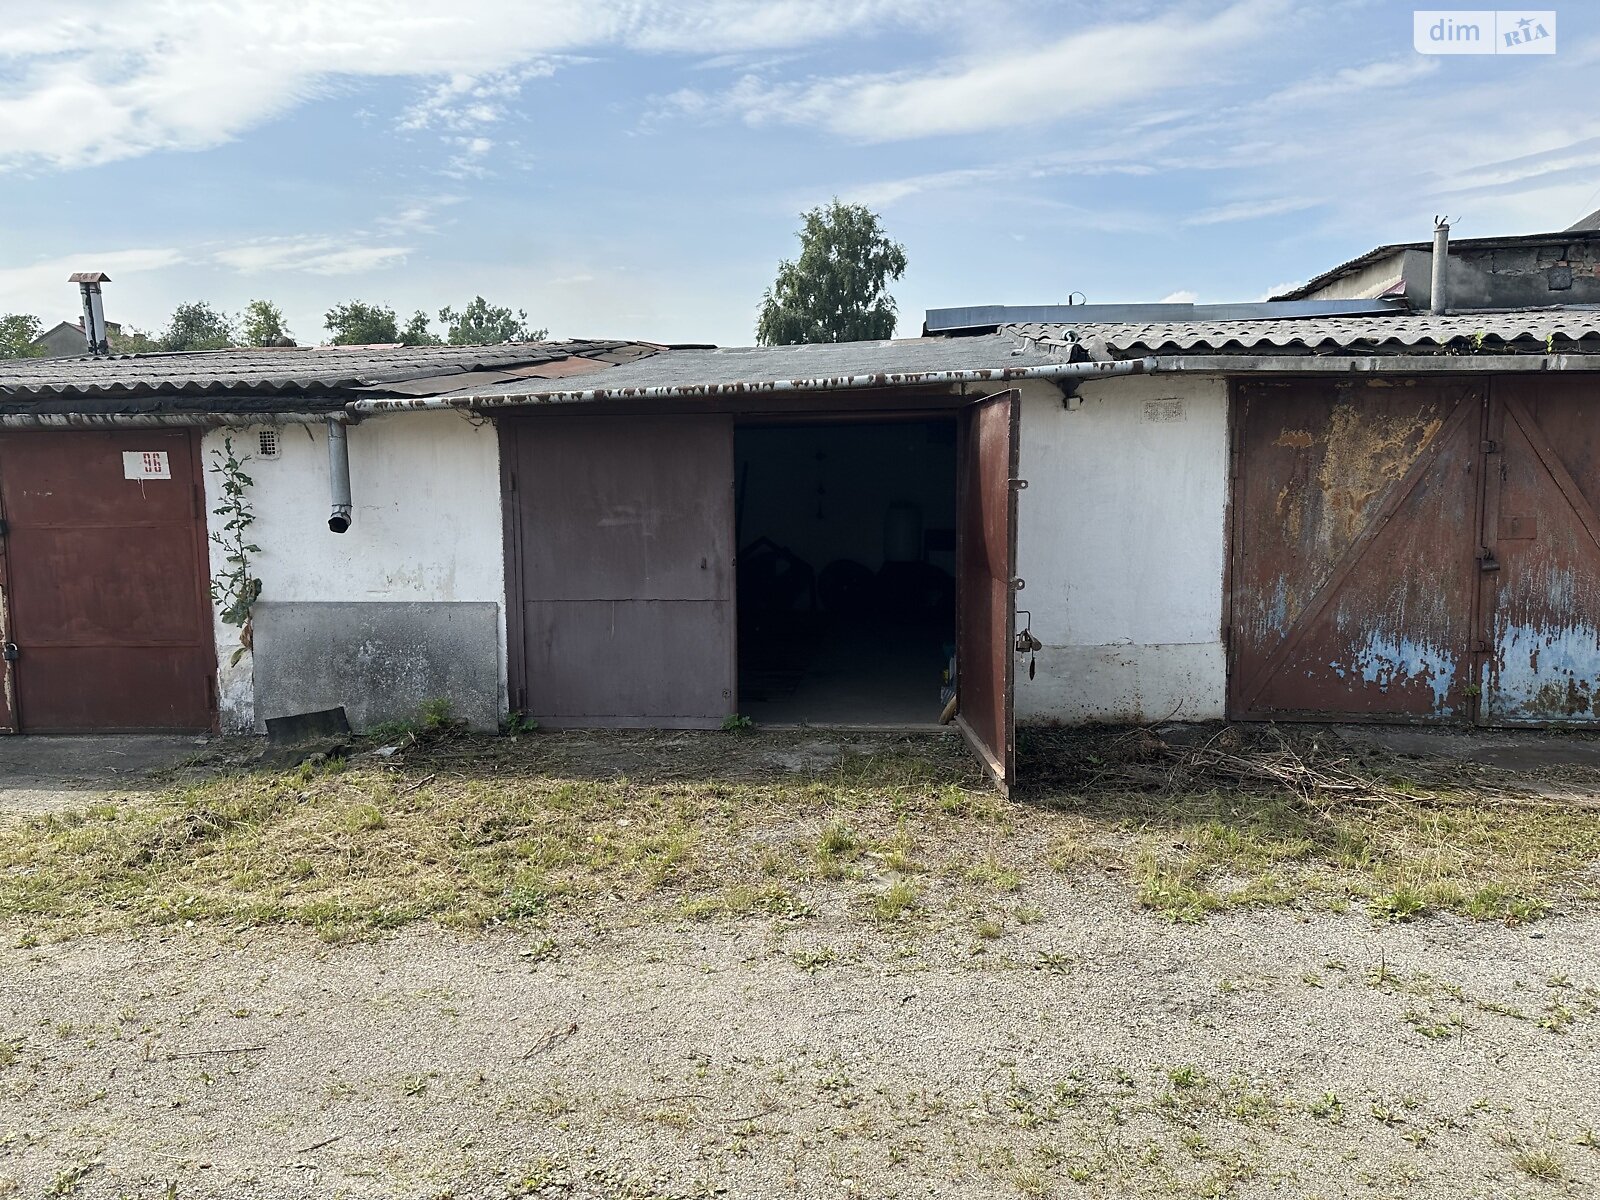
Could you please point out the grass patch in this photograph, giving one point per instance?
(1464, 840)
(481, 831)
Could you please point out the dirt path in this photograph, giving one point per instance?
(1095, 1052)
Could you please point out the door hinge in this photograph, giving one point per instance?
(1018, 584)
(1489, 446)
(1020, 484)
(10, 652)
(4, 528)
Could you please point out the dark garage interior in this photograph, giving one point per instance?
(846, 559)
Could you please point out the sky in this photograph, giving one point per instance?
(636, 168)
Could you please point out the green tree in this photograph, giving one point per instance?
(261, 324)
(17, 331)
(837, 290)
(132, 341)
(483, 324)
(361, 324)
(198, 326)
(417, 333)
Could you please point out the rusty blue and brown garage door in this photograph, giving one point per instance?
(102, 583)
(1416, 550)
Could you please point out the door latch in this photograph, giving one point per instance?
(11, 653)
(1028, 644)
(1487, 561)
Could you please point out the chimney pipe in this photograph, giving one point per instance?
(94, 314)
(338, 476)
(1438, 297)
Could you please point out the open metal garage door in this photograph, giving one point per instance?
(107, 624)
(986, 557)
(1408, 550)
(620, 569)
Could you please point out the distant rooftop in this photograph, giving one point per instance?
(1586, 230)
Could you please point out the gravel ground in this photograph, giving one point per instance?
(1095, 1052)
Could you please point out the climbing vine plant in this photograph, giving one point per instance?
(233, 588)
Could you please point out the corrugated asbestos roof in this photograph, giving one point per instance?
(754, 368)
(1511, 332)
(324, 376)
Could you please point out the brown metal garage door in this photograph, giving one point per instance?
(620, 569)
(986, 608)
(1541, 593)
(107, 622)
(1415, 550)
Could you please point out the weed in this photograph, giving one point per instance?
(737, 723)
(438, 714)
(1557, 1017)
(1401, 904)
(1543, 1165)
(898, 903)
(1327, 1107)
(66, 1182)
(518, 723)
(1031, 1182)
(541, 951)
(1188, 1076)
(990, 872)
(812, 959)
(1434, 1026)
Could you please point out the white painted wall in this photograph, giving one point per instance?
(1122, 540)
(426, 491)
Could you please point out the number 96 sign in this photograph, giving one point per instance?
(145, 464)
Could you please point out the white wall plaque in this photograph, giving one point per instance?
(145, 464)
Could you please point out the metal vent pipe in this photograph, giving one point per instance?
(338, 476)
(94, 313)
(1438, 297)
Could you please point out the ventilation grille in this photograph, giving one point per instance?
(267, 443)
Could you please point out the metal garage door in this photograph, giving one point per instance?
(1541, 585)
(107, 622)
(620, 569)
(1415, 551)
(986, 607)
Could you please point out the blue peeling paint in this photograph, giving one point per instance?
(1387, 663)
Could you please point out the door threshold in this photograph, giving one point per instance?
(860, 726)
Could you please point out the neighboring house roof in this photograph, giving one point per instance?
(1522, 332)
(313, 377)
(1457, 246)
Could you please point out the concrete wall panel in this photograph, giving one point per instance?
(380, 660)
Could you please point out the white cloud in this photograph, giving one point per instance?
(43, 285)
(1087, 71)
(316, 255)
(1391, 73)
(1181, 296)
(137, 76)
(1247, 210)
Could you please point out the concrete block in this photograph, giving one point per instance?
(380, 660)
